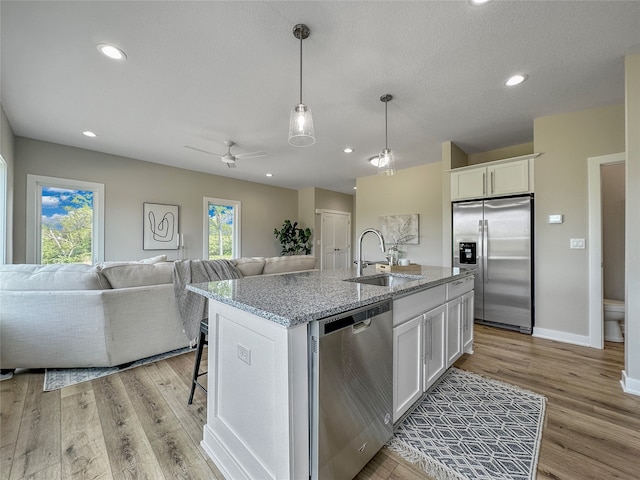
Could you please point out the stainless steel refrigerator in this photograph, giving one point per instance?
(495, 237)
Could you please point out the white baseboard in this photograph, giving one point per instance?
(630, 385)
(559, 336)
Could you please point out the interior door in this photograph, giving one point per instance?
(335, 240)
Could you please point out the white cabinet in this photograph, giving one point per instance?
(454, 330)
(434, 345)
(503, 177)
(428, 336)
(407, 365)
(467, 322)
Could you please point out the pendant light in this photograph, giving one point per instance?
(301, 132)
(386, 162)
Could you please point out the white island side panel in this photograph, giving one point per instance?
(257, 407)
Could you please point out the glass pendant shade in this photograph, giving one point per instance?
(386, 163)
(301, 132)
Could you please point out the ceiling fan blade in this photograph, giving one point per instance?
(203, 151)
(251, 155)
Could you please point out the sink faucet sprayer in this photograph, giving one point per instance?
(361, 263)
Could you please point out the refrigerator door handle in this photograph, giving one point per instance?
(485, 250)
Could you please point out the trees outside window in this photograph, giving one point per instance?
(222, 227)
(65, 221)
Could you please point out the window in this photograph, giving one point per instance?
(65, 221)
(222, 228)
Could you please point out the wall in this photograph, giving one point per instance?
(7, 152)
(500, 153)
(263, 207)
(412, 190)
(612, 178)
(561, 284)
(631, 375)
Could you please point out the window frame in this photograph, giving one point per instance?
(34, 214)
(236, 243)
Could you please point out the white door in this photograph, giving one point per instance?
(335, 240)
(454, 330)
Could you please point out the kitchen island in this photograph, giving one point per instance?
(258, 415)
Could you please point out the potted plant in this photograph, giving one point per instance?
(293, 239)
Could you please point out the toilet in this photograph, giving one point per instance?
(613, 320)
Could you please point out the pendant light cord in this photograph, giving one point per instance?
(301, 68)
(386, 144)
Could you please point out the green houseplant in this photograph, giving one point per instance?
(293, 239)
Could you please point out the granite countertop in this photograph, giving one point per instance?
(296, 298)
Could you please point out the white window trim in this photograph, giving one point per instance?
(236, 253)
(34, 206)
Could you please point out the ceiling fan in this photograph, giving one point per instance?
(228, 157)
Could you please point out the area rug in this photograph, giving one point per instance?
(56, 378)
(471, 427)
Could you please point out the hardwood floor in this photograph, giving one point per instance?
(137, 424)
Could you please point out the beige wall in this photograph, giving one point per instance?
(7, 152)
(412, 190)
(500, 153)
(612, 179)
(263, 207)
(632, 224)
(565, 142)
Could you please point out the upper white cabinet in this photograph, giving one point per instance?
(502, 177)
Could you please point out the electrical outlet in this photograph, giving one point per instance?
(577, 243)
(244, 354)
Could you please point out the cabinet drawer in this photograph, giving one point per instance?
(408, 307)
(458, 287)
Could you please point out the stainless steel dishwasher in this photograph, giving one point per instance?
(351, 390)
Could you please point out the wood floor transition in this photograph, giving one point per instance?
(137, 424)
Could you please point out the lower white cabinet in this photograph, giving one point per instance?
(454, 330)
(435, 361)
(407, 365)
(467, 322)
(426, 343)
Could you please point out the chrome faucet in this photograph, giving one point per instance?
(361, 263)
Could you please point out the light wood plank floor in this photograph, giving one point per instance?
(137, 424)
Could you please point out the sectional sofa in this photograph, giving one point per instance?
(72, 315)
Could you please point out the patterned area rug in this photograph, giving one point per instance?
(472, 427)
(56, 378)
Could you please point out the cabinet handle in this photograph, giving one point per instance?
(492, 183)
(429, 342)
(484, 183)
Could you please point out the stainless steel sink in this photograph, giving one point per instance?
(385, 279)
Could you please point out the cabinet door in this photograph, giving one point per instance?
(454, 330)
(407, 365)
(468, 184)
(467, 322)
(434, 329)
(511, 177)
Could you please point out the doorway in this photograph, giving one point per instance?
(596, 289)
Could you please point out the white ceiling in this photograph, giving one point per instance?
(200, 73)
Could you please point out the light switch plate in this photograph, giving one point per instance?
(556, 218)
(577, 243)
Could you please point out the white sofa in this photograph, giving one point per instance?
(72, 315)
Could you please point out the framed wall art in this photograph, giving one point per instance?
(400, 229)
(160, 230)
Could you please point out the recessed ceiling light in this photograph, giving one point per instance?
(269, 175)
(516, 80)
(374, 160)
(112, 52)
(89, 133)
(355, 188)
(348, 150)
(477, 3)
